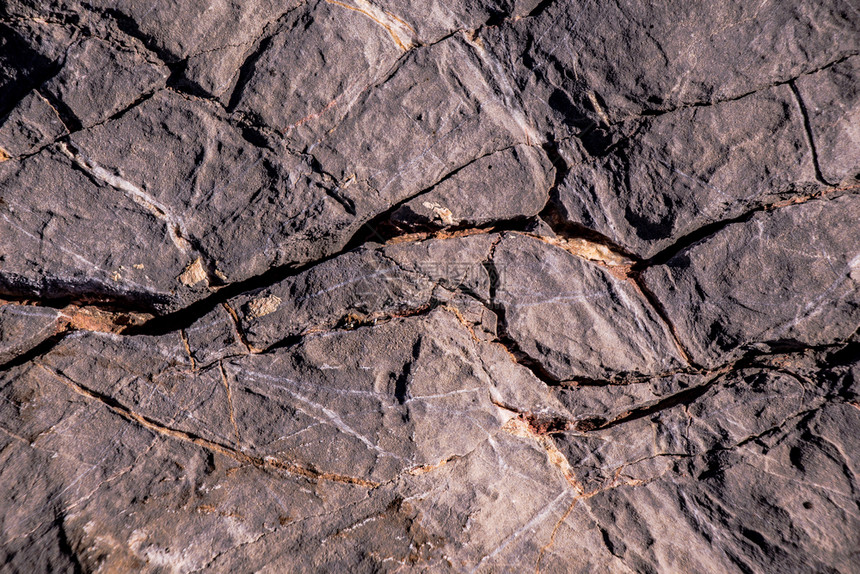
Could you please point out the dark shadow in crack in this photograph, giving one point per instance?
(23, 67)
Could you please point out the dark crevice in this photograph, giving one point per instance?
(382, 227)
(701, 104)
(285, 343)
(570, 230)
(562, 169)
(658, 307)
(66, 547)
(33, 68)
(71, 122)
(496, 18)
(686, 241)
(404, 226)
(847, 351)
(689, 240)
(540, 8)
(62, 300)
(78, 127)
(401, 385)
(810, 138)
(347, 203)
(140, 100)
(176, 80)
(245, 72)
(264, 41)
(843, 353)
(381, 230)
(624, 378)
(183, 318)
(685, 397)
(58, 294)
(129, 27)
(39, 350)
(552, 213)
(502, 337)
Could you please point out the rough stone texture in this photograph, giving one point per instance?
(783, 279)
(100, 80)
(832, 104)
(461, 286)
(22, 328)
(576, 319)
(477, 195)
(33, 124)
(710, 163)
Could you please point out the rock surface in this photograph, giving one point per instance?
(373, 286)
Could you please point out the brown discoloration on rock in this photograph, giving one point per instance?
(86, 318)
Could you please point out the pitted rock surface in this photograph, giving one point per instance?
(376, 286)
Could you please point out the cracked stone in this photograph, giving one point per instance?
(832, 100)
(366, 285)
(123, 77)
(471, 196)
(23, 327)
(709, 163)
(782, 279)
(557, 307)
(325, 78)
(32, 124)
(445, 286)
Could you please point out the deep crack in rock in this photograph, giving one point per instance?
(363, 285)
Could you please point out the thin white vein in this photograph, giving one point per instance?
(331, 417)
(272, 380)
(60, 247)
(346, 283)
(536, 519)
(30, 311)
(509, 102)
(442, 395)
(426, 150)
(105, 453)
(69, 252)
(541, 299)
(175, 227)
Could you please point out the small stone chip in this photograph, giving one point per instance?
(193, 274)
(854, 266)
(263, 306)
(441, 213)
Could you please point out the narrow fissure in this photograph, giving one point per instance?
(807, 130)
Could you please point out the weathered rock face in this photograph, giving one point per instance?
(368, 286)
